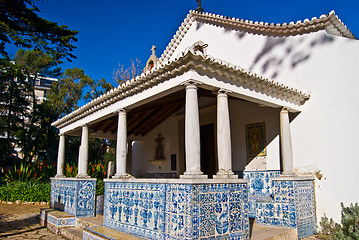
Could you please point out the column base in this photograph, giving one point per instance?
(288, 174)
(83, 176)
(225, 176)
(193, 176)
(60, 176)
(122, 175)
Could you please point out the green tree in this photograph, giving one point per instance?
(73, 88)
(66, 93)
(347, 230)
(13, 108)
(350, 223)
(34, 64)
(21, 26)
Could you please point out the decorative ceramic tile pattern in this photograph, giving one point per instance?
(293, 206)
(99, 204)
(75, 197)
(259, 187)
(178, 211)
(43, 215)
(61, 222)
(305, 209)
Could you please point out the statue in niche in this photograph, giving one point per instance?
(159, 147)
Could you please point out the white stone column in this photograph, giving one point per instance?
(286, 143)
(83, 156)
(192, 133)
(61, 157)
(224, 142)
(121, 146)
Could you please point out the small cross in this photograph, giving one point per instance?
(153, 49)
(199, 7)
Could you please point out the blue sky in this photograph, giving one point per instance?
(116, 31)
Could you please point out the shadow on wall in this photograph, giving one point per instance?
(58, 205)
(282, 52)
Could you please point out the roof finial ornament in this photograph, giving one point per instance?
(199, 7)
(153, 49)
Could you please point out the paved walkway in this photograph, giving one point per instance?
(24, 226)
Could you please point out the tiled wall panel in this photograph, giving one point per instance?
(76, 197)
(178, 211)
(259, 187)
(293, 206)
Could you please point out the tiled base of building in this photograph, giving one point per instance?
(187, 208)
(178, 211)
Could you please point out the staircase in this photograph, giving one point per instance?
(92, 228)
(76, 233)
(260, 232)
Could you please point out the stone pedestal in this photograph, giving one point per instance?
(74, 196)
(178, 208)
(292, 206)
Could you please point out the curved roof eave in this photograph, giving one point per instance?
(330, 23)
(187, 60)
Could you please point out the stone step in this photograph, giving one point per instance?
(86, 222)
(73, 233)
(260, 232)
(104, 233)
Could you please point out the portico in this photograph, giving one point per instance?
(174, 102)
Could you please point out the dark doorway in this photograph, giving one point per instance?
(208, 153)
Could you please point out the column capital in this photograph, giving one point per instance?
(223, 92)
(284, 110)
(61, 134)
(121, 111)
(85, 126)
(191, 83)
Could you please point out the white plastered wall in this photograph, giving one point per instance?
(144, 150)
(243, 113)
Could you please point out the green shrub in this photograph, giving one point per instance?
(25, 191)
(100, 187)
(97, 170)
(25, 172)
(328, 228)
(347, 230)
(71, 170)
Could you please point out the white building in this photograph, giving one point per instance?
(274, 103)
